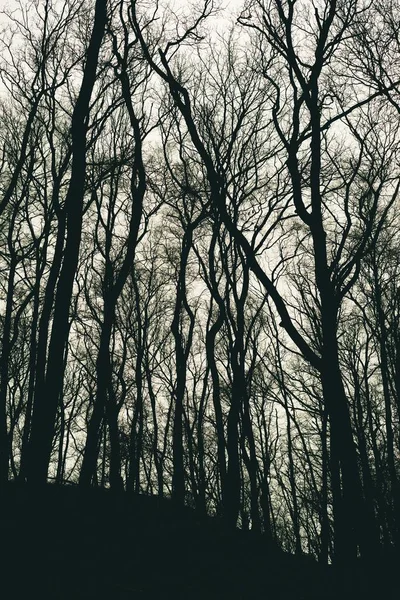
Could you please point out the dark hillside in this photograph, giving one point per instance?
(64, 543)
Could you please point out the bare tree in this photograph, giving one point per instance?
(45, 407)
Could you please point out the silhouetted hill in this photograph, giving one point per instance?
(65, 543)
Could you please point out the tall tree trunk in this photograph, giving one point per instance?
(216, 398)
(201, 504)
(292, 480)
(265, 496)
(45, 408)
(178, 475)
(252, 465)
(103, 379)
(156, 453)
(43, 332)
(385, 375)
(31, 380)
(211, 337)
(233, 475)
(5, 356)
(136, 434)
(181, 354)
(350, 513)
(324, 517)
(346, 485)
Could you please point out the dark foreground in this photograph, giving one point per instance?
(63, 544)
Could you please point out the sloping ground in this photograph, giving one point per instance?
(61, 543)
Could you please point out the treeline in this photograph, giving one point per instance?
(200, 286)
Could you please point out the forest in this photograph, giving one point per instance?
(200, 267)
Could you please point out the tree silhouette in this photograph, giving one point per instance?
(200, 287)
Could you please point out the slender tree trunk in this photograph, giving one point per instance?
(324, 518)
(5, 356)
(157, 461)
(178, 476)
(216, 398)
(181, 353)
(265, 497)
(190, 448)
(369, 488)
(211, 337)
(103, 378)
(233, 475)
(31, 383)
(292, 481)
(112, 412)
(385, 375)
(252, 466)
(201, 496)
(45, 408)
(136, 435)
